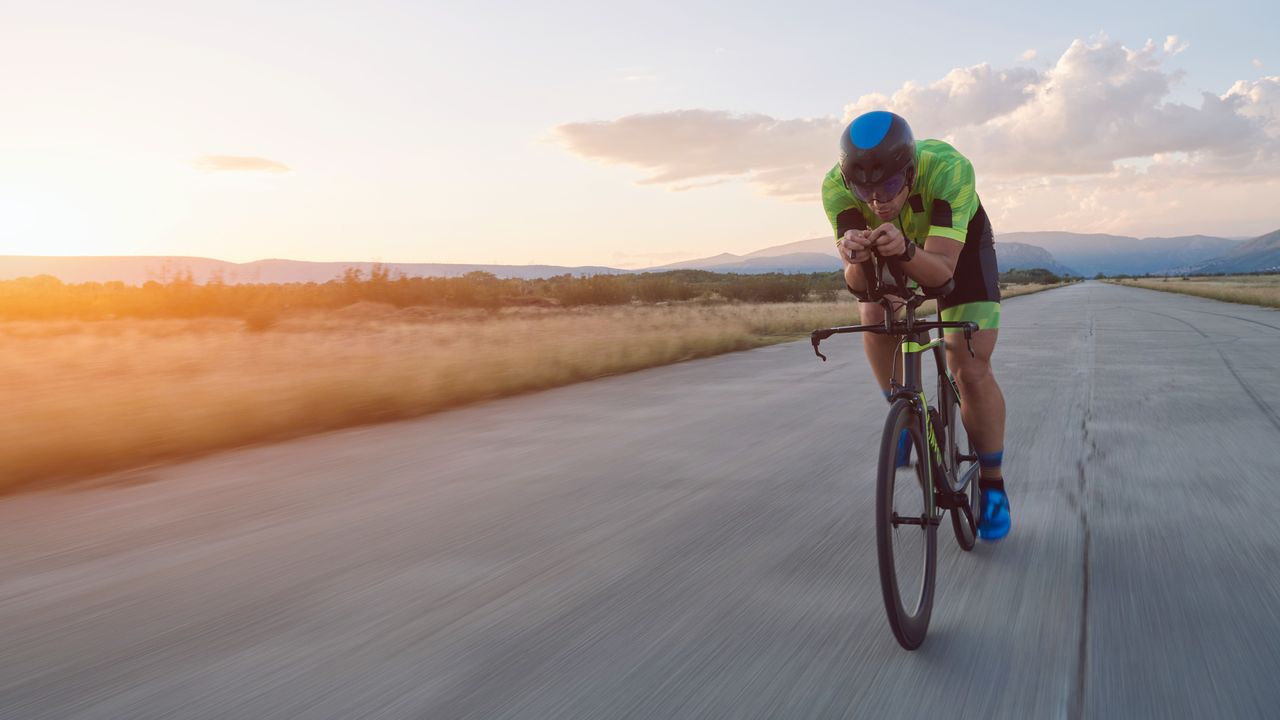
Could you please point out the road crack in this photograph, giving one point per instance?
(1271, 415)
(1089, 452)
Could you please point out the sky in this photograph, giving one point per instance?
(598, 133)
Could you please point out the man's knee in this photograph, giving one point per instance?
(973, 371)
(870, 313)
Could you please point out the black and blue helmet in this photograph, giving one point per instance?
(875, 147)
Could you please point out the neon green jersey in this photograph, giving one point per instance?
(942, 200)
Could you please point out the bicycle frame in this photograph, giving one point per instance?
(910, 332)
(937, 471)
(912, 386)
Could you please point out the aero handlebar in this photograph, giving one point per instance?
(885, 294)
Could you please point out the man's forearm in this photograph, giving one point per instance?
(926, 268)
(929, 269)
(853, 277)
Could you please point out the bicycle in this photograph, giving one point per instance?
(921, 490)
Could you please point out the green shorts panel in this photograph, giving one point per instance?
(986, 313)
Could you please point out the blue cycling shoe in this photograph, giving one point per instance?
(995, 521)
(904, 450)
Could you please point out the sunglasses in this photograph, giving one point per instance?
(884, 192)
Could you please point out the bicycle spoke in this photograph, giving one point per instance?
(909, 541)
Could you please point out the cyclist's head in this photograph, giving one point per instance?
(877, 156)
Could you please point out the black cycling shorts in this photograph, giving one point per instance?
(977, 278)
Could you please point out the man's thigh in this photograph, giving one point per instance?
(958, 358)
(870, 313)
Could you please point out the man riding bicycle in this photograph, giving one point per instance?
(916, 201)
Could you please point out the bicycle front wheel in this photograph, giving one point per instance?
(906, 528)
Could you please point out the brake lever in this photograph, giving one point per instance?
(816, 337)
(968, 339)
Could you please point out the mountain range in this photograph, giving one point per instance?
(819, 255)
(1060, 252)
(1117, 254)
(1259, 254)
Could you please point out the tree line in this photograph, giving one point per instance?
(47, 298)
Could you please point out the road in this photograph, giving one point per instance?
(690, 541)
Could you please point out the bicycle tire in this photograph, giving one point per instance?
(899, 544)
(956, 447)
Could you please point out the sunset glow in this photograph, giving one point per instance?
(406, 132)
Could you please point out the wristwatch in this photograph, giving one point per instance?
(908, 252)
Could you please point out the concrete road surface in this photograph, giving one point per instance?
(690, 541)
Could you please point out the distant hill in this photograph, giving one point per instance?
(819, 255)
(1091, 254)
(1021, 256)
(1076, 253)
(136, 270)
(824, 245)
(1261, 254)
(803, 256)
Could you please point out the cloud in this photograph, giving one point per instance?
(1095, 109)
(1100, 103)
(678, 147)
(1257, 63)
(238, 163)
(964, 96)
(1258, 100)
(1166, 198)
(699, 185)
(1173, 45)
(1028, 55)
(635, 74)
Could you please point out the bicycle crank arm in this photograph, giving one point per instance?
(919, 521)
(946, 499)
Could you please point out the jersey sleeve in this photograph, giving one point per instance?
(955, 199)
(842, 210)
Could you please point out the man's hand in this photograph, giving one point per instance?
(855, 246)
(887, 240)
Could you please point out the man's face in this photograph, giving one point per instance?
(887, 198)
(890, 208)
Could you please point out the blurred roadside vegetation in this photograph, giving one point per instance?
(1252, 289)
(1034, 276)
(47, 298)
(102, 377)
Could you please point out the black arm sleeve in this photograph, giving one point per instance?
(850, 219)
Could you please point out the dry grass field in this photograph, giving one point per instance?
(89, 397)
(1261, 290)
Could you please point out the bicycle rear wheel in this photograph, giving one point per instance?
(962, 467)
(906, 529)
